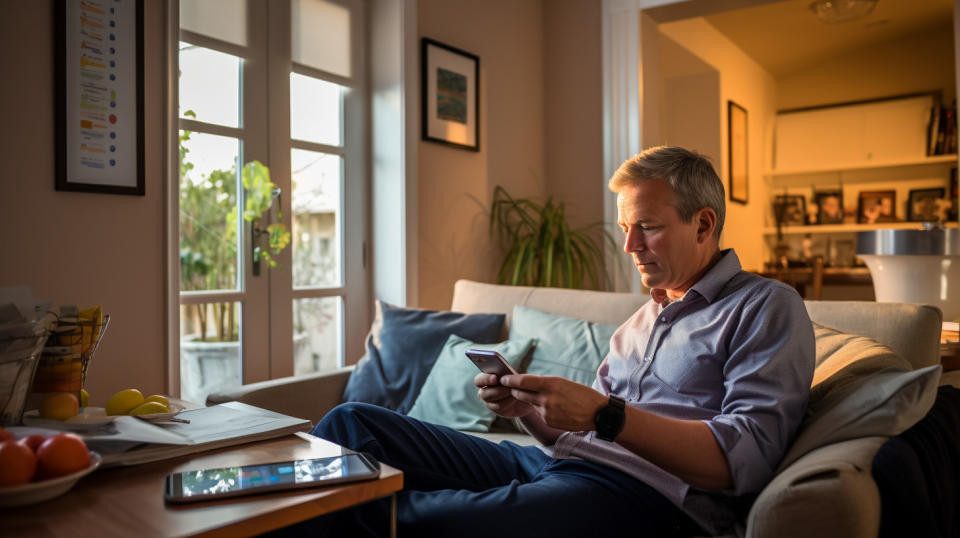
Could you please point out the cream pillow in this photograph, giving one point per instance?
(860, 388)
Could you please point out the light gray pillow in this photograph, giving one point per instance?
(567, 347)
(449, 397)
(860, 388)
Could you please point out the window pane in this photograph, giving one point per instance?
(209, 85)
(221, 19)
(321, 35)
(316, 218)
(208, 212)
(315, 110)
(210, 358)
(316, 334)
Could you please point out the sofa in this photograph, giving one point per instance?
(822, 489)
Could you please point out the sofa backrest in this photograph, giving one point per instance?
(612, 308)
(912, 330)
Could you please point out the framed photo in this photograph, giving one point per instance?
(790, 209)
(737, 152)
(877, 206)
(98, 85)
(927, 205)
(829, 207)
(451, 96)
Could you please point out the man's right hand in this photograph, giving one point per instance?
(498, 398)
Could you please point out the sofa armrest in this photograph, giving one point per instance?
(306, 396)
(829, 492)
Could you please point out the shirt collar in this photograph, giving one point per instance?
(710, 285)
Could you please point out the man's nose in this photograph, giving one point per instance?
(633, 242)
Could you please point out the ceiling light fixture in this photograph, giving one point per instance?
(837, 11)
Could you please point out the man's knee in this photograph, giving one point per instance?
(342, 418)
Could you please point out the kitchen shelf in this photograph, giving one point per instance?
(847, 228)
(936, 159)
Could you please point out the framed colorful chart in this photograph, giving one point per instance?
(451, 99)
(99, 96)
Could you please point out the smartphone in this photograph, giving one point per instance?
(490, 362)
(204, 484)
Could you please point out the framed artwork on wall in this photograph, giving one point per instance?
(98, 85)
(450, 95)
(737, 152)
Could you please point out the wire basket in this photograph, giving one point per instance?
(63, 364)
(19, 356)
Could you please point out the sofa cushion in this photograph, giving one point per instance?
(566, 347)
(860, 388)
(449, 397)
(402, 346)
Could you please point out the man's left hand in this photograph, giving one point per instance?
(563, 404)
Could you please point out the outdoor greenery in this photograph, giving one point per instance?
(541, 249)
(209, 228)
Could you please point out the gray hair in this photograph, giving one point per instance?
(691, 177)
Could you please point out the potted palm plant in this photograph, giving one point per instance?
(541, 249)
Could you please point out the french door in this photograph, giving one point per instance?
(278, 82)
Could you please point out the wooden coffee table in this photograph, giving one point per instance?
(129, 501)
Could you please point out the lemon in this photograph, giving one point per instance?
(59, 406)
(124, 401)
(84, 398)
(149, 408)
(159, 399)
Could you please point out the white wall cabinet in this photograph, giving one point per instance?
(857, 135)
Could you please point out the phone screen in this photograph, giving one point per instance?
(231, 481)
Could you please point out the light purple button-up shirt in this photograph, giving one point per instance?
(737, 352)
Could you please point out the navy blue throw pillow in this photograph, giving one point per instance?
(402, 346)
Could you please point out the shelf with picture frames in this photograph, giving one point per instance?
(863, 165)
(847, 228)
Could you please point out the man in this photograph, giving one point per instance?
(690, 413)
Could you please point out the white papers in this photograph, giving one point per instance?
(129, 440)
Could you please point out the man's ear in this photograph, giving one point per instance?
(706, 223)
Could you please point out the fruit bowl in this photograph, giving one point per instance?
(43, 490)
(175, 409)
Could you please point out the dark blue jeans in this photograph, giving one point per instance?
(456, 484)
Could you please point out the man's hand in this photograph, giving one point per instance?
(561, 403)
(498, 398)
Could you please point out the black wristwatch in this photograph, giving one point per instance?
(610, 419)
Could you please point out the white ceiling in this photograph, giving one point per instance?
(784, 37)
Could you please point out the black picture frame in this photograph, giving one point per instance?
(737, 162)
(450, 95)
(790, 209)
(829, 207)
(98, 96)
(876, 206)
(919, 211)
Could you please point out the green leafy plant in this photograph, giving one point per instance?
(209, 228)
(541, 248)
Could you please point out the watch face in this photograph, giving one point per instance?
(609, 422)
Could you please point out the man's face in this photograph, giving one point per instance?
(665, 249)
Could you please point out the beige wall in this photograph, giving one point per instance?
(79, 248)
(913, 64)
(540, 129)
(573, 100)
(743, 81)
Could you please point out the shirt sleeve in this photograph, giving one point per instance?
(767, 379)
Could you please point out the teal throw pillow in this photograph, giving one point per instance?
(566, 347)
(449, 397)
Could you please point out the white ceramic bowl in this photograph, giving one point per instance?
(35, 492)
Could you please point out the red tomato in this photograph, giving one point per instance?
(33, 441)
(17, 463)
(5, 435)
(62, 454)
